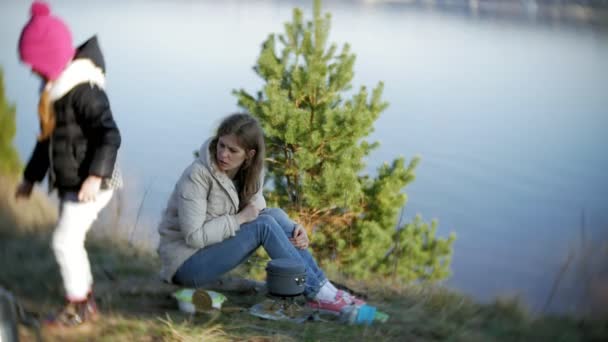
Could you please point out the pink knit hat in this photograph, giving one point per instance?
(46, 42)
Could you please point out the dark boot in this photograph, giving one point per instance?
(75, 313)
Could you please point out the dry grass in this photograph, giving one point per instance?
(185, 332)
(136, 306)
(37, 214)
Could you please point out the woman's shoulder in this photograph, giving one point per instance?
(198, 171)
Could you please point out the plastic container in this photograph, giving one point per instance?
(381, 317)
(363, 314)
(192, 301)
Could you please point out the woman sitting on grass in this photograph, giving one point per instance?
(216, 218)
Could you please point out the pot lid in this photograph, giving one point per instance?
(285, 265)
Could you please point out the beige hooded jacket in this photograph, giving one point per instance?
(201, 211)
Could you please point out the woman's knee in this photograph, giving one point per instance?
(267, 224)
(264, 219)
(282, 219)
(275, 212)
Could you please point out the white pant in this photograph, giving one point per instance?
(75, 220)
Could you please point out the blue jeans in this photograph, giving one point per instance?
(271, 229)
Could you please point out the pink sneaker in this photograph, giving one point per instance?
(349, 298)
(332, 307)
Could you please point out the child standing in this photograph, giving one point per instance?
(77, 147)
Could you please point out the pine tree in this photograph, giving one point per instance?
(9, 159)
(316, 143)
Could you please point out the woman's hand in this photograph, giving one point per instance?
(300, 238)
(247, 214)
(24, 190)
(89, 189)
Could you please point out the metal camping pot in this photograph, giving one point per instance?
(285, 277)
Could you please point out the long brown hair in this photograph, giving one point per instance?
(46, 115)
(250, 136)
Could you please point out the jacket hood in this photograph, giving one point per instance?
(204, 156)
(90, 50)
(88, 66)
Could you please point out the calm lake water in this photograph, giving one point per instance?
(508, 116)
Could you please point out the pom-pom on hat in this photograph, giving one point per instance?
(46, 42)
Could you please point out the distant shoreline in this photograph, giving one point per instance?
(593, 12)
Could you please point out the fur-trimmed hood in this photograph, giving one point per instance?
(88, 66)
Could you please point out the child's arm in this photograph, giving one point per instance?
(24, 190)
(35, 170)
(38, 164)
(89, 188)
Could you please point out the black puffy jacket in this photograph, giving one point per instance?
(86, 139)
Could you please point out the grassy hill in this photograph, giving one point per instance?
(136, 306)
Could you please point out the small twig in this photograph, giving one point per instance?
(271, 160)
(400, 217)
(119, 202)
(107, 273)
(558, 279)
(397, 245)
(141, 205)
(586, 257)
